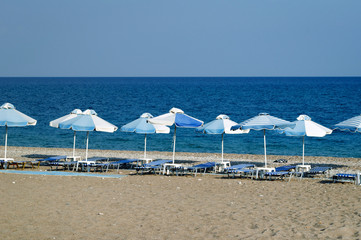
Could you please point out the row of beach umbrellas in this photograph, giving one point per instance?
(88, 121)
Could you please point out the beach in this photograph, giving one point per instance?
(177, 207)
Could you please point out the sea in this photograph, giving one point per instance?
(327, 100)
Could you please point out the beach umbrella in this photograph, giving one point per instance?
(88, 121)
(221, 125)
(264, 122)
(10, 117)
(55, 123)
(142, 126)
(353, 124)
(304, 126)
(177, 118)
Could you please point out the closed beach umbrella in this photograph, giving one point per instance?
(264, 122)
(10, 117)
(142, 126)
(177, 118)
(304, 126)
(55, 123)
(221, 125)
(88, 121)
(353, 124)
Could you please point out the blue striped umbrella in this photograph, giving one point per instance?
(73, 114)
(177, 118)
(10, 117)
(264, 122)
(353, 124)
(304, 126)
(221, 125)
(88, 121)
(142, 126)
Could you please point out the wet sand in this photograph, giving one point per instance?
(171, 207)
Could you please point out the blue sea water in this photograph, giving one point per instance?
(121, 100)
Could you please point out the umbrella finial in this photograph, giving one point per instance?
(76, 111)
(146, 115)
(263, 114)
(222, 116)
(303, 117)
(176, 110)
(89, 112)
(7, 106)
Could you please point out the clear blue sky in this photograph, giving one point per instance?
(180, 38)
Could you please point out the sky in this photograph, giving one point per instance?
(141, 38)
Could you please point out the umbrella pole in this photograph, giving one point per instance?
(6, 140)
(303, 150)
(222, 147)
(87, 143)
(74, 145)
(265, 148)
(145, 147)
(174, 139)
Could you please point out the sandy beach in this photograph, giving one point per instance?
(171, 207)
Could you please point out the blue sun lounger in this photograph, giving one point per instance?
(104, 167)
(281, 172)
(242, 169)
(317, 171)
(47, 161)
(203, 166)
(345, 177)
(152, 166)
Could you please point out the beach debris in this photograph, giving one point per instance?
(178, 188)
(13, 182)
(280, 161)
(101, 214)
(261, 195)
(199, 179)
(240, 183)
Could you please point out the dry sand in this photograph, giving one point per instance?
(171, 207)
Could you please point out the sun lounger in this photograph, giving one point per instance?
(23, 164)
(345, 177)
(242, 169)
(174, 168)
(152, 166)
(87, 164)
(6, 162)
(51, 159)
(281, 172)
(203, 166)
(317, 171)
(104, 167)
(65, 165)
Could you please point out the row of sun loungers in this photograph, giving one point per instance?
(242, 170)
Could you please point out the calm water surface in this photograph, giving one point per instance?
(121, 100)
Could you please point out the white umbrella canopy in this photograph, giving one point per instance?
(55, 123)
(10, 117)
(142, 126)
(177, 117)
(353, 124)
(221, 125)
(304, 126)
(264, 122)
(88, 121)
